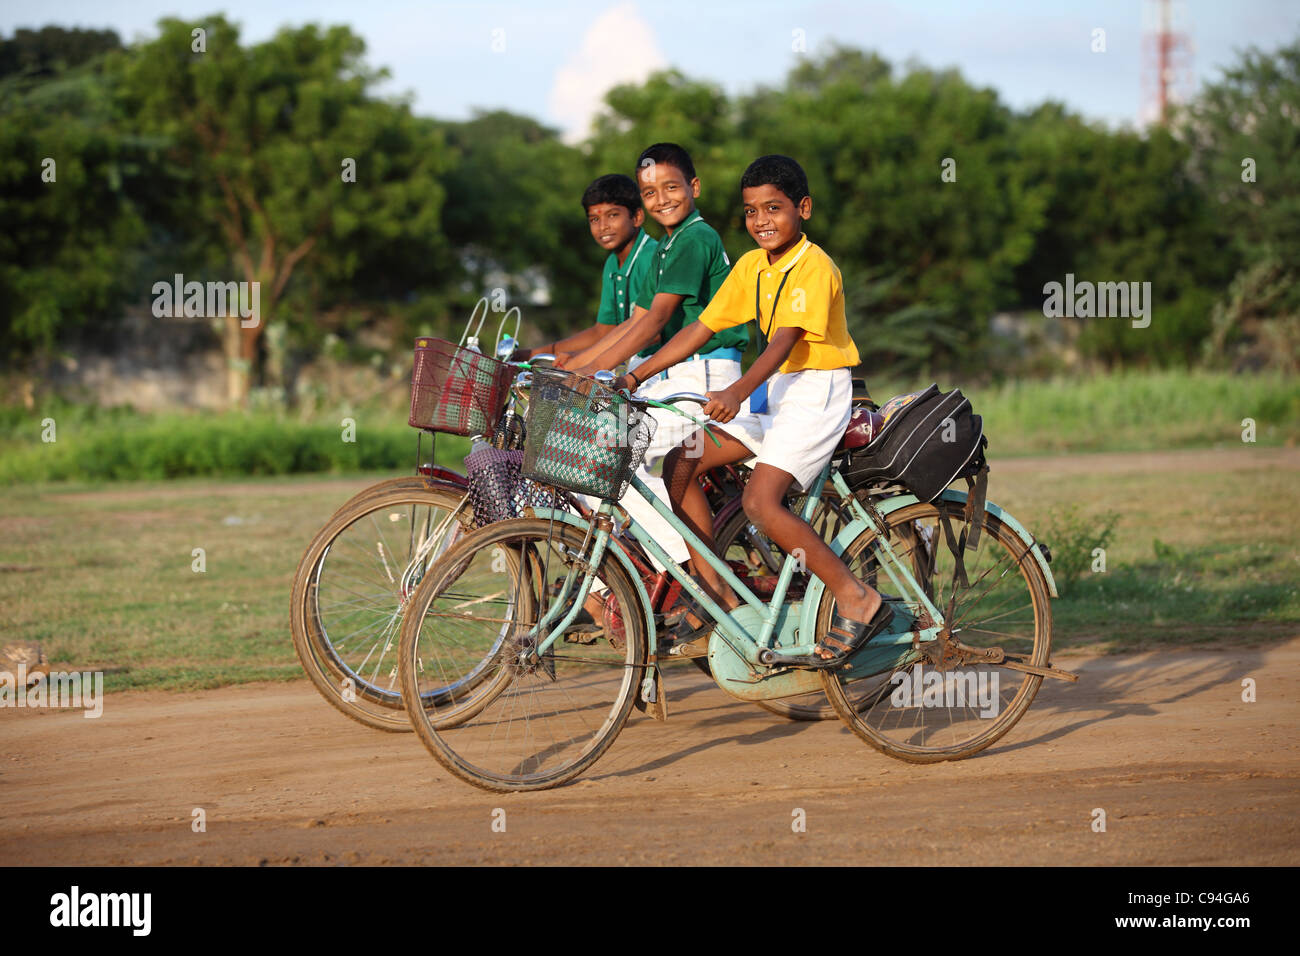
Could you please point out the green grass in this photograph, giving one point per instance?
(1204, 549)
(128, 446)
(1133, 411)
(1136, 411)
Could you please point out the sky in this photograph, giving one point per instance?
(554, 60)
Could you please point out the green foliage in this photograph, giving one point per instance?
(134, 447)
(517, 211)
(68, 182)
(51, 49)
(1131, 411)
(227, 163)
(1244, 132)
(1073, 537)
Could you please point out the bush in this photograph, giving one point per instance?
(1073, 539)
(174, 447)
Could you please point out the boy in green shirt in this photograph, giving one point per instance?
(687, 269)
(614, 214)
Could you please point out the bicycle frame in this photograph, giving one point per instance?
(736, 628)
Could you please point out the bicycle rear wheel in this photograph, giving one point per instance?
(530, 722)
(923, 710)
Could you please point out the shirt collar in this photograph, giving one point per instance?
(788, 260)
(637, 245)
(690, 220)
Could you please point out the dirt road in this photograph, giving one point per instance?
(1186, 772)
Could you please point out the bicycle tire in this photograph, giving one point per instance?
(490, 749)
(376, 707)
(907, 742)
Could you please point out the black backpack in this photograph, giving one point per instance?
(928, 441)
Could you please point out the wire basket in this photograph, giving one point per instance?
(497, 490)
(584, 437)
(457, 390)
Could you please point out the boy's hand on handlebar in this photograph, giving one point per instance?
(722, 406)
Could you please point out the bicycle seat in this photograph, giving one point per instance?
(863, 427)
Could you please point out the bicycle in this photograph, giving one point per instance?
(356, 574)
(932, 680)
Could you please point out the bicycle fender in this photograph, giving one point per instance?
(440, 475)
(620, 555)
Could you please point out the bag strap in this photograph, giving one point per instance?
(483, 302)
(956, 546)
(977, 488)
(758, 311)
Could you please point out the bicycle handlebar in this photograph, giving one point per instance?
(686, 397)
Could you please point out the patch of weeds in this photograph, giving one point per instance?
(1075, 539)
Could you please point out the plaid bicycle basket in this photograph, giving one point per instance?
(584, 437)
(457, 390)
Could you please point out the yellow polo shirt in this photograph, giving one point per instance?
(802, 290)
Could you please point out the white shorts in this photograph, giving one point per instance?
(693, 375)
(807, 413)
(670, 431)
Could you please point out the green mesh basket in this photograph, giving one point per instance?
(584, 437)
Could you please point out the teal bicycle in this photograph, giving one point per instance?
(962, 660)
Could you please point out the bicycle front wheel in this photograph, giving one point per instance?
(351, 587)
(531, 721)
(922, 710)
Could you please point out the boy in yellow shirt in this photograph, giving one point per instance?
(795, 293)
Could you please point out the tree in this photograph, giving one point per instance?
(51, 49)
(71, 219)
(926, 258)
(293, 166)
(514, 211)
(1121, 207)
(1244, 133)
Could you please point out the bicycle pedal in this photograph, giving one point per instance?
(773, 658)
(696, 648)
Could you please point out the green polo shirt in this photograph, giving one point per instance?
(691, 263)
(620, 285)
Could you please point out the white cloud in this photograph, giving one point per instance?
(618, 47)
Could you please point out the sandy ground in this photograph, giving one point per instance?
(1186, 772)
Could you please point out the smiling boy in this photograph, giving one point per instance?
(689, 266)
(795, 293)
(614, 215)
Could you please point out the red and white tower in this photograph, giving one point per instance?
(1167, 76)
